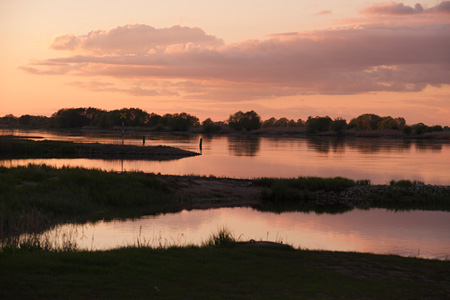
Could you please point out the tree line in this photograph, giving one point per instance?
(239, 121)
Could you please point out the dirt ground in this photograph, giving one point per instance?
(202, 192)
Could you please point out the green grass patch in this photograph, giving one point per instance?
(408, 197)
(337, 195)
(281, 194)
(308, 183)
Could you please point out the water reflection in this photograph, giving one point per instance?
(244, 156)
(369, 146)
(377, 230)
(243, 145)
(429, 146)
(325, 145)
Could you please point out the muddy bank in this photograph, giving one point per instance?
(131, 152)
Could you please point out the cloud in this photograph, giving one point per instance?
(133, 39)
(348, 60)
(323, 12)
(134, 90)
(443, 7)
(398, 9)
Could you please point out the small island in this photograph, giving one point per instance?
(14, 147)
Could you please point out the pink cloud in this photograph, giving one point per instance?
(133, 39)
(396, 9)
(339, 61)
(323, 12)
(443, 7)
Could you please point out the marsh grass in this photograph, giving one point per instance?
(308, 183)
(404, 183)
(223, 238)
(337, 195)
(301, 189)
(35, 197)
(56, 240)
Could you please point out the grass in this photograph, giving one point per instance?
(19, 147)
(336, 195)
(308, 183)
(224, 238)
(33, 198)
(219, 273)
(14, 147)
(405, 183)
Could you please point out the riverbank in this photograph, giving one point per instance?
(15, 147)
(224, 272)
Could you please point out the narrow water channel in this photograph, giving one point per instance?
(407, 233)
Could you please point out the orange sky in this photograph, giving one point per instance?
(291, 59)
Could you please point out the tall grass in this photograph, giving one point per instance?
(33, 198)
(224, 238)
(280, 190)
(309, 183)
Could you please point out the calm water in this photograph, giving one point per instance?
(415, 233)
(379, 160)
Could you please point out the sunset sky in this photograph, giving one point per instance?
(284, 58)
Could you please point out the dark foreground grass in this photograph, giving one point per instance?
(219, 273)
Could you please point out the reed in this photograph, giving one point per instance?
(223, 238)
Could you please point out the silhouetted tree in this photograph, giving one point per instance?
(365, 122)
(318, 124)
(248, 121)
(269, 123)
(209, 126)
(9, 120)
(33, 121)
(70, 118)
(153, 120)
(291, 123)
(182, 122)
(282, 122)
(338, 125)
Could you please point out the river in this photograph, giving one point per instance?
(247, 156)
